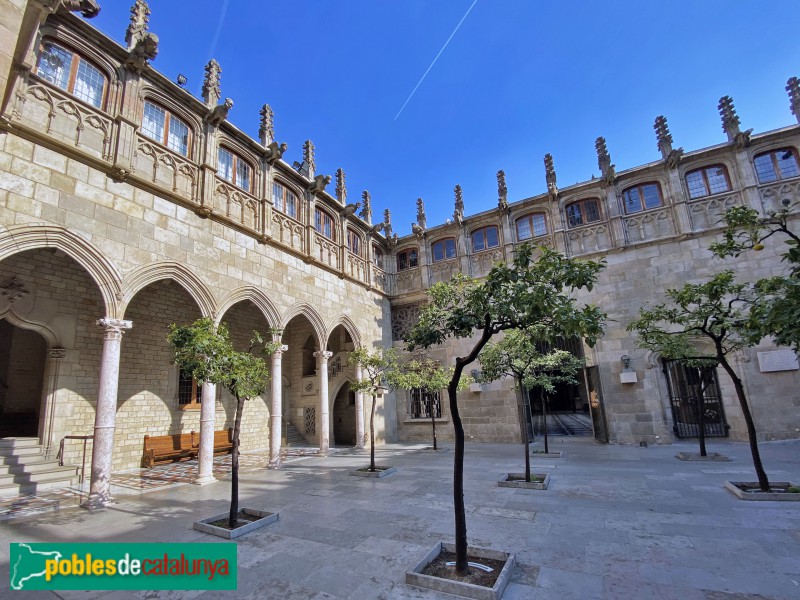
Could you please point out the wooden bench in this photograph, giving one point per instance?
(223, 441)
(168, 448)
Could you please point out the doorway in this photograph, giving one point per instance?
(344, 417)
(23, 356)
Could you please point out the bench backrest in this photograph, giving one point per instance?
(176, 441)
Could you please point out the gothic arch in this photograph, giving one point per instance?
(349, 326)
(19, 238)
(257, 297)
(317, 324)
(143, 276)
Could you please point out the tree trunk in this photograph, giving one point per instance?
(433, 420)
(701, 416)
(544, 414)
(372, 436)
(763, 481)
(237, 426)
(525, 433)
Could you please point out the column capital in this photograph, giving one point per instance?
(323, 355)
(280, 350)
(114, 328)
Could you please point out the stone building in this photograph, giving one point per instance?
(127, 204)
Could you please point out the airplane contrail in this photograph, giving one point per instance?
(435, 59)
(217, 33)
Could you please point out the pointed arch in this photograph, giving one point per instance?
(19, 238)
(139, 278)
(257, 297)
(349, 326)
(307, 311)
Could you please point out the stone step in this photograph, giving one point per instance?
(23, 483)
(10, 451)
(28, 466)
(18, 442)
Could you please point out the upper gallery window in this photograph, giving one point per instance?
(531, 226)
(284, 200)
(189, 391)
(776, 164)
(377, 256)
(72, 73)
(707, 181)
(583, 212)
(323, 223)
(353, 242)
(642, 197)
(407, 259)
(485, 238)
(444, 249)
(164, 127)
(232, 168)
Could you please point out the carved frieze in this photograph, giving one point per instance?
(403, 319)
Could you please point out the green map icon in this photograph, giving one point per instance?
(28, 564)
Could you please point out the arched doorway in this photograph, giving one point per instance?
(23, 355)
(344, 417)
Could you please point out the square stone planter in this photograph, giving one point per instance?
(265, 518)
(695, 456)
(751, 491)
(517, 480)
(376, 474)
(540, 454)
(457, 588)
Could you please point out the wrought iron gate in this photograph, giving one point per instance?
(692, 389)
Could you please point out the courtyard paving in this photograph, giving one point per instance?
(618, 522)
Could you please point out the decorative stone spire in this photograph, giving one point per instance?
(663, 135)
(211, 89)
(550, 176)
(422, 221)
(266, 128)
(793, 87)
(341, 188)
(671, 156)
(458, 213)
(502, 190)
(308, 158)
(730, 120)
(366, 212)
(140, 16)
(387, 223)
(607, 172)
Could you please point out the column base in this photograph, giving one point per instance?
(97, 501)
(275, 463)
(203, 480)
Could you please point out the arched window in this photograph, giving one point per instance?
(583, 212)
(377, 256)
(776, 164)
(72, 73)
(708, 181)
(284, 200)
(162, 126)
(642, 197)
(444, 249)
(323, 223)
(353, 242)
(407, 259)
(485, 238)
(231, 167)
(531, 226)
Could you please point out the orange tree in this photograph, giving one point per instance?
(534, 290)
(206, 352)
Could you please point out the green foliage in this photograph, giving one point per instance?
(775, 301)
(207, 353)
(426, 374)
(519, 356)
(378, 369)
(530, 292)
(717, 310)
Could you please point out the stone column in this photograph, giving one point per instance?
(359, 412)
(205, 454)
(105, 413)
(324, 419)
(276, 412)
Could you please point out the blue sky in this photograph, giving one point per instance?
(520, 78)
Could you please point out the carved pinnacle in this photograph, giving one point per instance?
(266, 129)
(341, 188)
